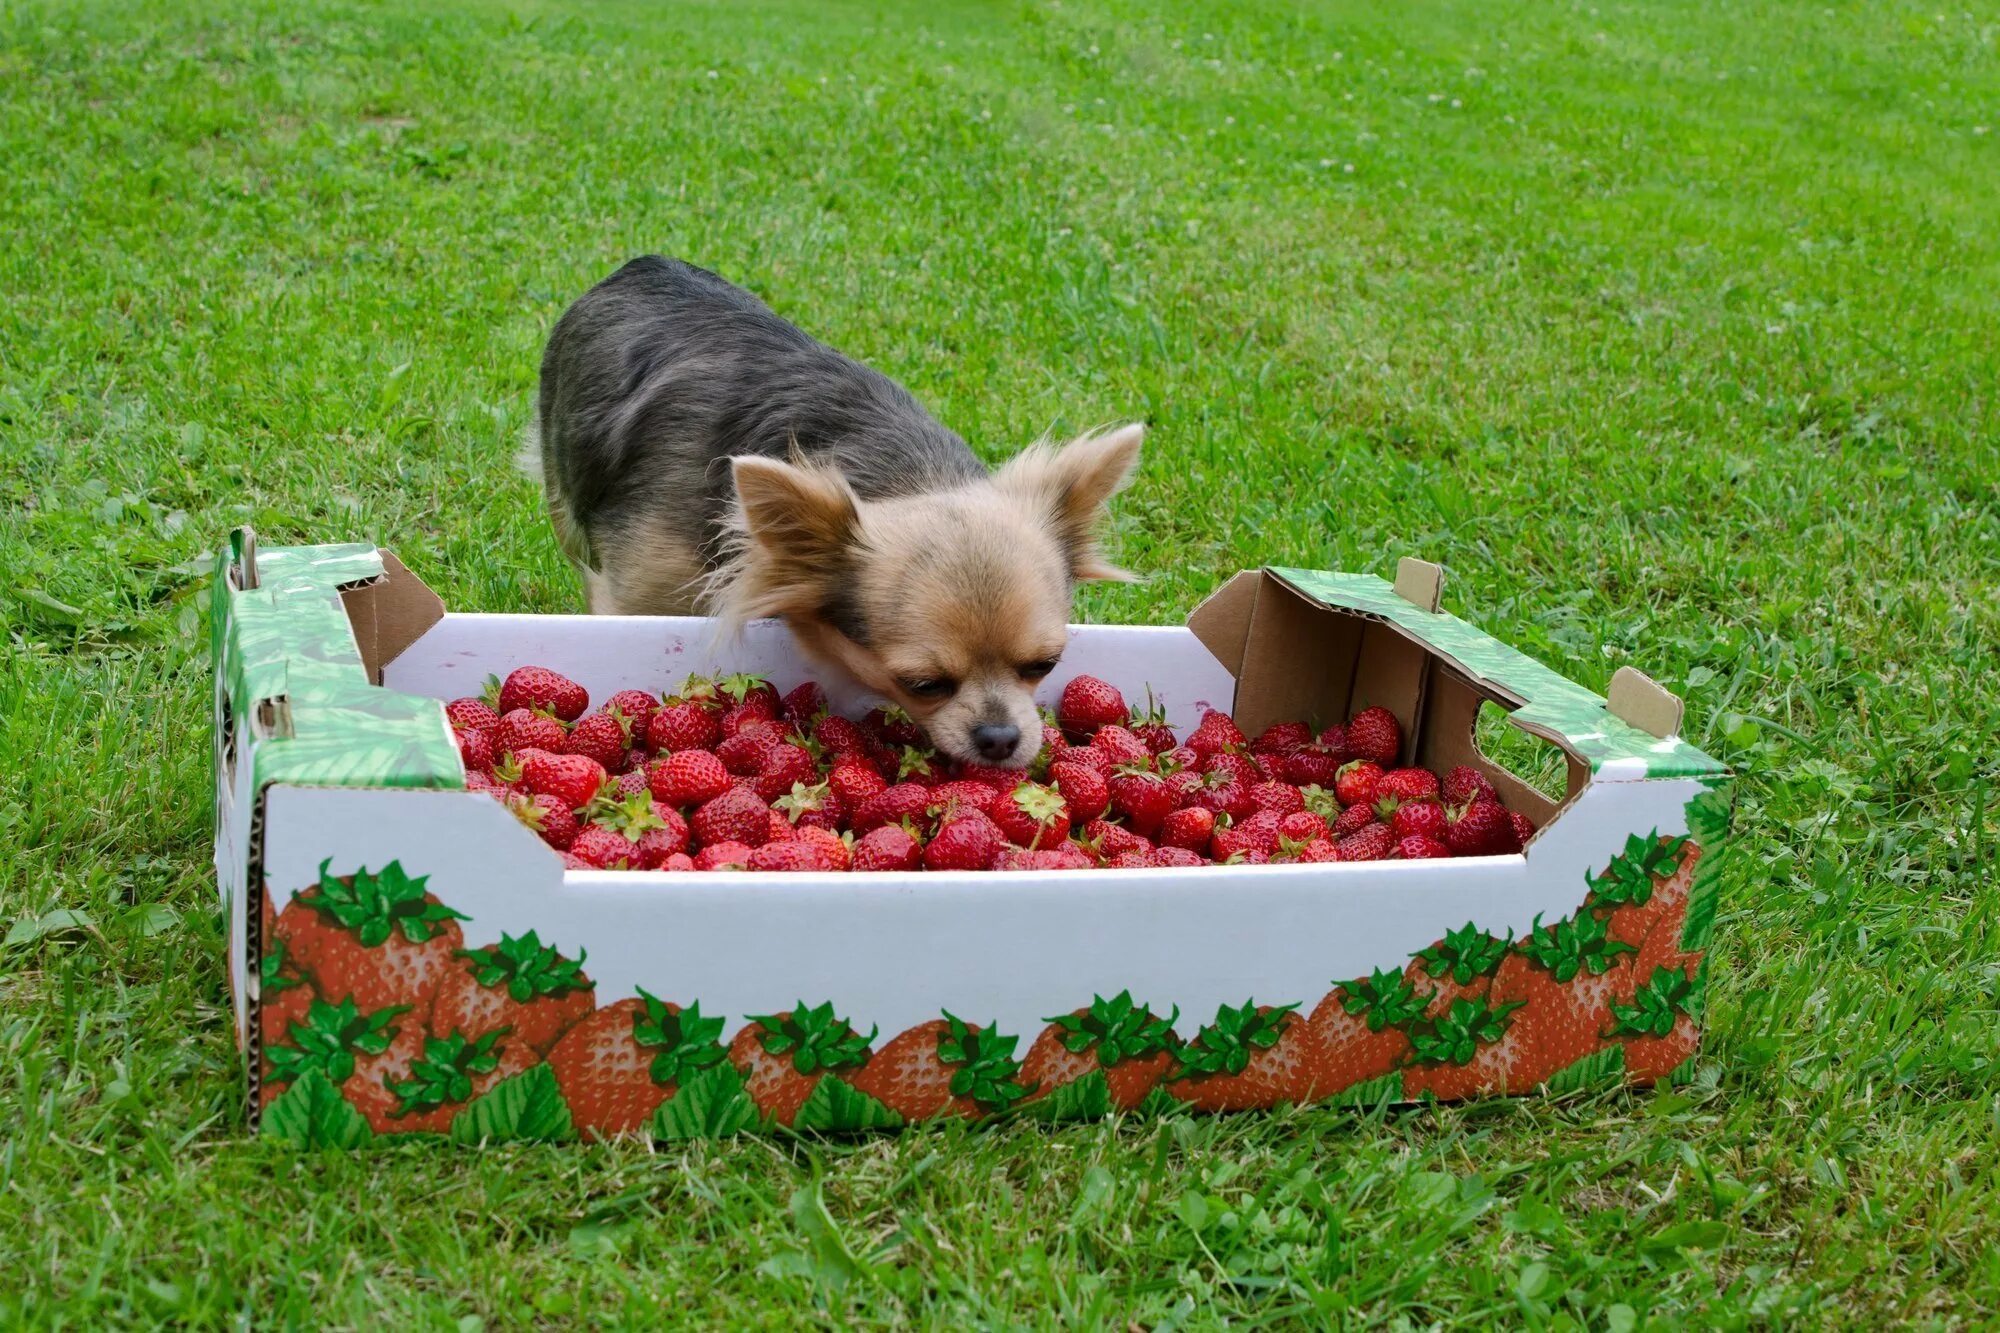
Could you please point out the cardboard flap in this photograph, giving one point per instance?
(389, 614)
(1222, 620)
(1635, 697)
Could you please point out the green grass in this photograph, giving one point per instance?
(1669, 328)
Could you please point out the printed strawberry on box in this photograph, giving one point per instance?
(411, 955)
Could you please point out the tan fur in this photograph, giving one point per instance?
(969, 584)
(644, 574)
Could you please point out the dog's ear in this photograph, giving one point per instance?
(798, 522)
(1073, 484)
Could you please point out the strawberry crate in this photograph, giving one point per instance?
(408, 957)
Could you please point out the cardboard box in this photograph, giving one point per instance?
(719, 1002)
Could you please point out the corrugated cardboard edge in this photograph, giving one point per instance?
(389, 614)
(1222, 619)
(1635, 698)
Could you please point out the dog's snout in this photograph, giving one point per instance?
(996, 744)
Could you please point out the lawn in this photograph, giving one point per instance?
(1669, 328)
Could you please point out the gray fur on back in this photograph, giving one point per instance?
(663, 370)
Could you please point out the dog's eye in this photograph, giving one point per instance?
(1036, 670)
(931, 687)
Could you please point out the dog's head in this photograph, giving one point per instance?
(954, 604)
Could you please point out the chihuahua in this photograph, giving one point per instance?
(699, 453)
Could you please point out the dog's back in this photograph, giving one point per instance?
(662, 372)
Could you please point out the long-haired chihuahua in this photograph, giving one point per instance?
(701, 454)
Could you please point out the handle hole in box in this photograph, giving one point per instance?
(1536, 762)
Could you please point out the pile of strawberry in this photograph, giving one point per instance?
(730, 775)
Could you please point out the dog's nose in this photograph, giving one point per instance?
(996, 743)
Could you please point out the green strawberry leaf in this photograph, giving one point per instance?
(1086, 1098)
(1118, 1029)
(1456, 1035)
(1370, 1093)
(815, 1039)
(329, 1038)
(527, 968)
(711, 1104)
(740, 685)
(1575, 944)
(1632, 873)
(1662, 999)
(444, 1073)
(983, 1064)
(1383, 999)
(528, 1106)
(686, 1042)
(1465, 954)
(312, 1114)
(1596, 1070)
(1226, 1045)
(374, 906)
(835, 1107)
(272, 978)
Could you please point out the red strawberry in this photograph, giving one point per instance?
(961, 795)
(683, 726)
(1334, 738)
(701, 692)
(635, 708)
(1404, 784)
(1461, 1052)
(1088, 703)
(605, 848)
(1352, 820)
(1251, 1056)
(1134, 861)
(575, 863)
(618, 1065)
(1657, 1026)
(1301, 826)
(1215, 733)
(944, 1066)
(804, 704)
(854, 781)
(1066, 856)
(1190, 827)
(378, 939)
(677, 862)
(600, 737)
(471, 714)
(1313, 766)
(791, 856)
(1002, 780)
(735, 816)
(783, 1056)
(475, 749)
(1167, 857)
(1360, 1031)
(520, 731)
(1082, 756)
(486, 782)
(363, 1053)
(1131, 1047)
(834, 848)
(572, 778)
(889, 847)
(661, 834)
(746, 752)
(1280, 798)
(1373, 843)
(548, 817)
(1374, 733)
(1109, 840)
(1258, 833)
(1032, 816)
(724, 856)
(1316, 851)
(540, 688)
(1418, 818)
(748, 691)
(784, 767)
(1459, 966)
(915, 765)
(283, 995)
(967, 841)
(1355, 783)
(1465, 784)
(1085, 790)
(1524, 827)
(753, 716)
(1156, 734)
(1226, 785)
(1120, 745)
(520, 986)
(893, 727)
(905, 800)
(1481, 829)
(1281, 738)
(838, 736)
(687, 777)
(1417, 847)
(1182, 784)
(1143, 798)
(811, 806)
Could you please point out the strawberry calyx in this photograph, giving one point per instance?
(1456, 1035)
(1633, 872)
(490, 692)
(815, 1039)
(1226, 1045)
(1664, 997)
(1465, 954)
(444, 1073)
(803, 799)
(527, 968)
(507, 769)
(1382, 999)
(741, 685)
(982, 1062)
(375, 905)
(329, 1038)
(686, 1042)
(1321, 802)
(1118, 1029)
(698, 690)
(914, 762)
(1572, 945)
(630, 815)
